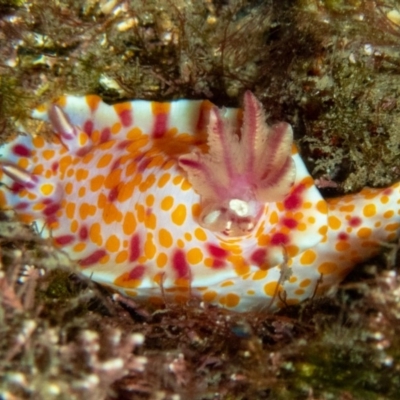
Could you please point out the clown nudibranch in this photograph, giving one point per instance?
(179, 199)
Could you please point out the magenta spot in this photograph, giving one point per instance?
(22, 206)
(93, 258)
(21, 150)
(54, 166)
(113, 194)
(355, 221)
(279, 238)
(289, 222)
(64, 240)
(343, 236)
(218, 264)
(126, 117)
(190, 163)
(160, 125)
(142, 166)
(137, 272)
(116, 164)
(16, 187)
(388, 191)
(88, 127)
(180, 265)
(83, 233)
(292, 202)
(122, 145)
(259, 256)
(51, 209)
(47, 201)
(105, 135)
(217, 251)
(134, 248)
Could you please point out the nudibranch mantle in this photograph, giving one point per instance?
(179, 199)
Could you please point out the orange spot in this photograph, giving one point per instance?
(162, 260)
(116, 128)
(347, 208)
(388, 214)
(272, 288)
(129, 224)
(82, 138)
(61, 101)
(292, 250)
(327, 268)
(258, 275)
(93, 102)
(200, 234)
(81, 174)
(150, 221)
(113, 178)
(38, 170)
(149, 247)
(186, 185)
(194, 256)
(178, 216)
(95, 234)
(307, 182)
(134, 134)
(150, 200)
(392, 227)
(342, 246)
(125, 281)
(23, 163)
(188, 236)
(79, 247)
(209, 296)
(96, 183)
(196, 210)
(308, 257)
(305, 282)
(122, 256)
(121, 107)
(70, 210)
(126, 191)
(273, 219)
(369, 210)
(322, 206)
(230, 300)
(113, 244)
(167, 203)
(41, 108)
(160, 108)
(48, 154)
(384, 199)
(104, 161)
(323, 230)
(111, 214)
(334, 222)
(240, 265)
(74, 226)
(363, 233)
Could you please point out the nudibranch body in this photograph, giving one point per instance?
(179, 199)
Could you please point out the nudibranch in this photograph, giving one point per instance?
(179, 199)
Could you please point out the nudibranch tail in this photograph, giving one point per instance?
(239, 175)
